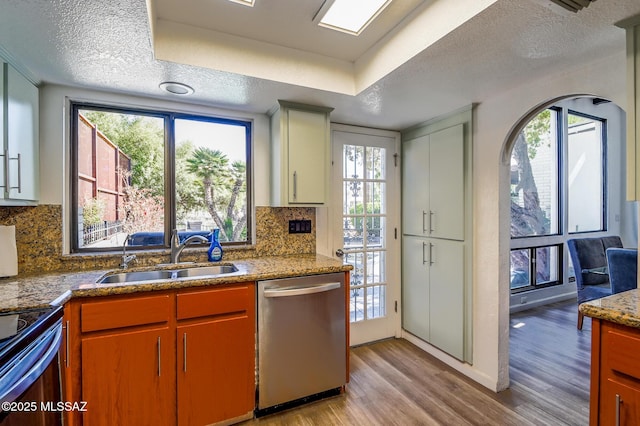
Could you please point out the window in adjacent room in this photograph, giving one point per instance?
(137, 175)
(557, 189)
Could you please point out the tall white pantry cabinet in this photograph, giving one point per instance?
(436, 241)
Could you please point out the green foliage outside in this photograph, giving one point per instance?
(205, 179)
(93, 211)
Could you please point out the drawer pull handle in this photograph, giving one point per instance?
(159, 362)
(184, 352)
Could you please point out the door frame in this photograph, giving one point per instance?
(328, 221)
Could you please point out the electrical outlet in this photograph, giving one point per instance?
(300, 226)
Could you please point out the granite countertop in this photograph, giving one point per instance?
(622, 308)
(40, 290)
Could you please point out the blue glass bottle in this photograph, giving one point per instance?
(215, 250)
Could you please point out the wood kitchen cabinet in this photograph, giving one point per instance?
(300, 155)
(175, 357)
(19, 130)
(216, 355)
(615, 374)
(129, 378)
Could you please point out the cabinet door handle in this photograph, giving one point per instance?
(66, 343)
(5, 159)
(184, 352)
(431, 262)
(618, 403)
(431, 214)
(424, 227)
(19, 187)
(424, 246)
(295, 185)
(159, 358)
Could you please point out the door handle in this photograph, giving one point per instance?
(184, 352)
(618, 403)
(340, 253)
(19, 187)
(159, 357)
(424, 227)
(431, 214)
(300, 291)
(295, 185)
(431, 262)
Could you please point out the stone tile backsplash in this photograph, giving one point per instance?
(39, 240)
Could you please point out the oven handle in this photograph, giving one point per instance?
(299, 291)
(50, 344)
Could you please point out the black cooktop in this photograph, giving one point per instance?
(31, 324)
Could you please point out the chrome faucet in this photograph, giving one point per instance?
(126, 259)
(176, 247)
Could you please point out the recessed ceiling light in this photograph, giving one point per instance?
(349, 16)
(244, 2)
(176, 88)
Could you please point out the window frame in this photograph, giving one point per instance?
(604, 225)
(170, 216)
(533, 285)
(534, 242)
(560, 193)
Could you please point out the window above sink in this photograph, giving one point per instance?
(137, 174)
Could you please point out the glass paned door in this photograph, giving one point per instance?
(364, 166)
(364, 214)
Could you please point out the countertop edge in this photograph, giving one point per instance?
(622, 308)
(41, 290)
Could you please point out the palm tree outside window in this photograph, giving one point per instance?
(141, 173)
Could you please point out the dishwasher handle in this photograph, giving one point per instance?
(300, 291)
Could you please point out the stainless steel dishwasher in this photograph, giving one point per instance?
(301, 338)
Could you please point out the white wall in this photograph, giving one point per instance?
(55, 140)
(494, 120)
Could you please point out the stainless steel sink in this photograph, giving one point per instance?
(204, 271)
(196, 271)
(124, 277)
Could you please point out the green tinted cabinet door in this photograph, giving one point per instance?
(22, 137)
(433, 185)
(446, 183)
(415, 286)
(19, 127)
(446, 296)
(308, 157)
(415, 180)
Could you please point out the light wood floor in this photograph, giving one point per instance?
(395, 383)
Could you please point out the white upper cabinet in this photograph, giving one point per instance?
(300, 155)
(433, 185)
(20, 166)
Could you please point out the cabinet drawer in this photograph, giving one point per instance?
(621, 351)
(127, 312)
(218, 301)
(622, 399)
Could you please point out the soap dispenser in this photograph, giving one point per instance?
(215, 250)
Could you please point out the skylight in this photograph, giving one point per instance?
(244, 2)
(350, 16)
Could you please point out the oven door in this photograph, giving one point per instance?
(30, 382)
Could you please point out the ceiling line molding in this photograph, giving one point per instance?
(185, 44)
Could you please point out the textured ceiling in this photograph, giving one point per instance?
(283, 22)
(107, 46)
